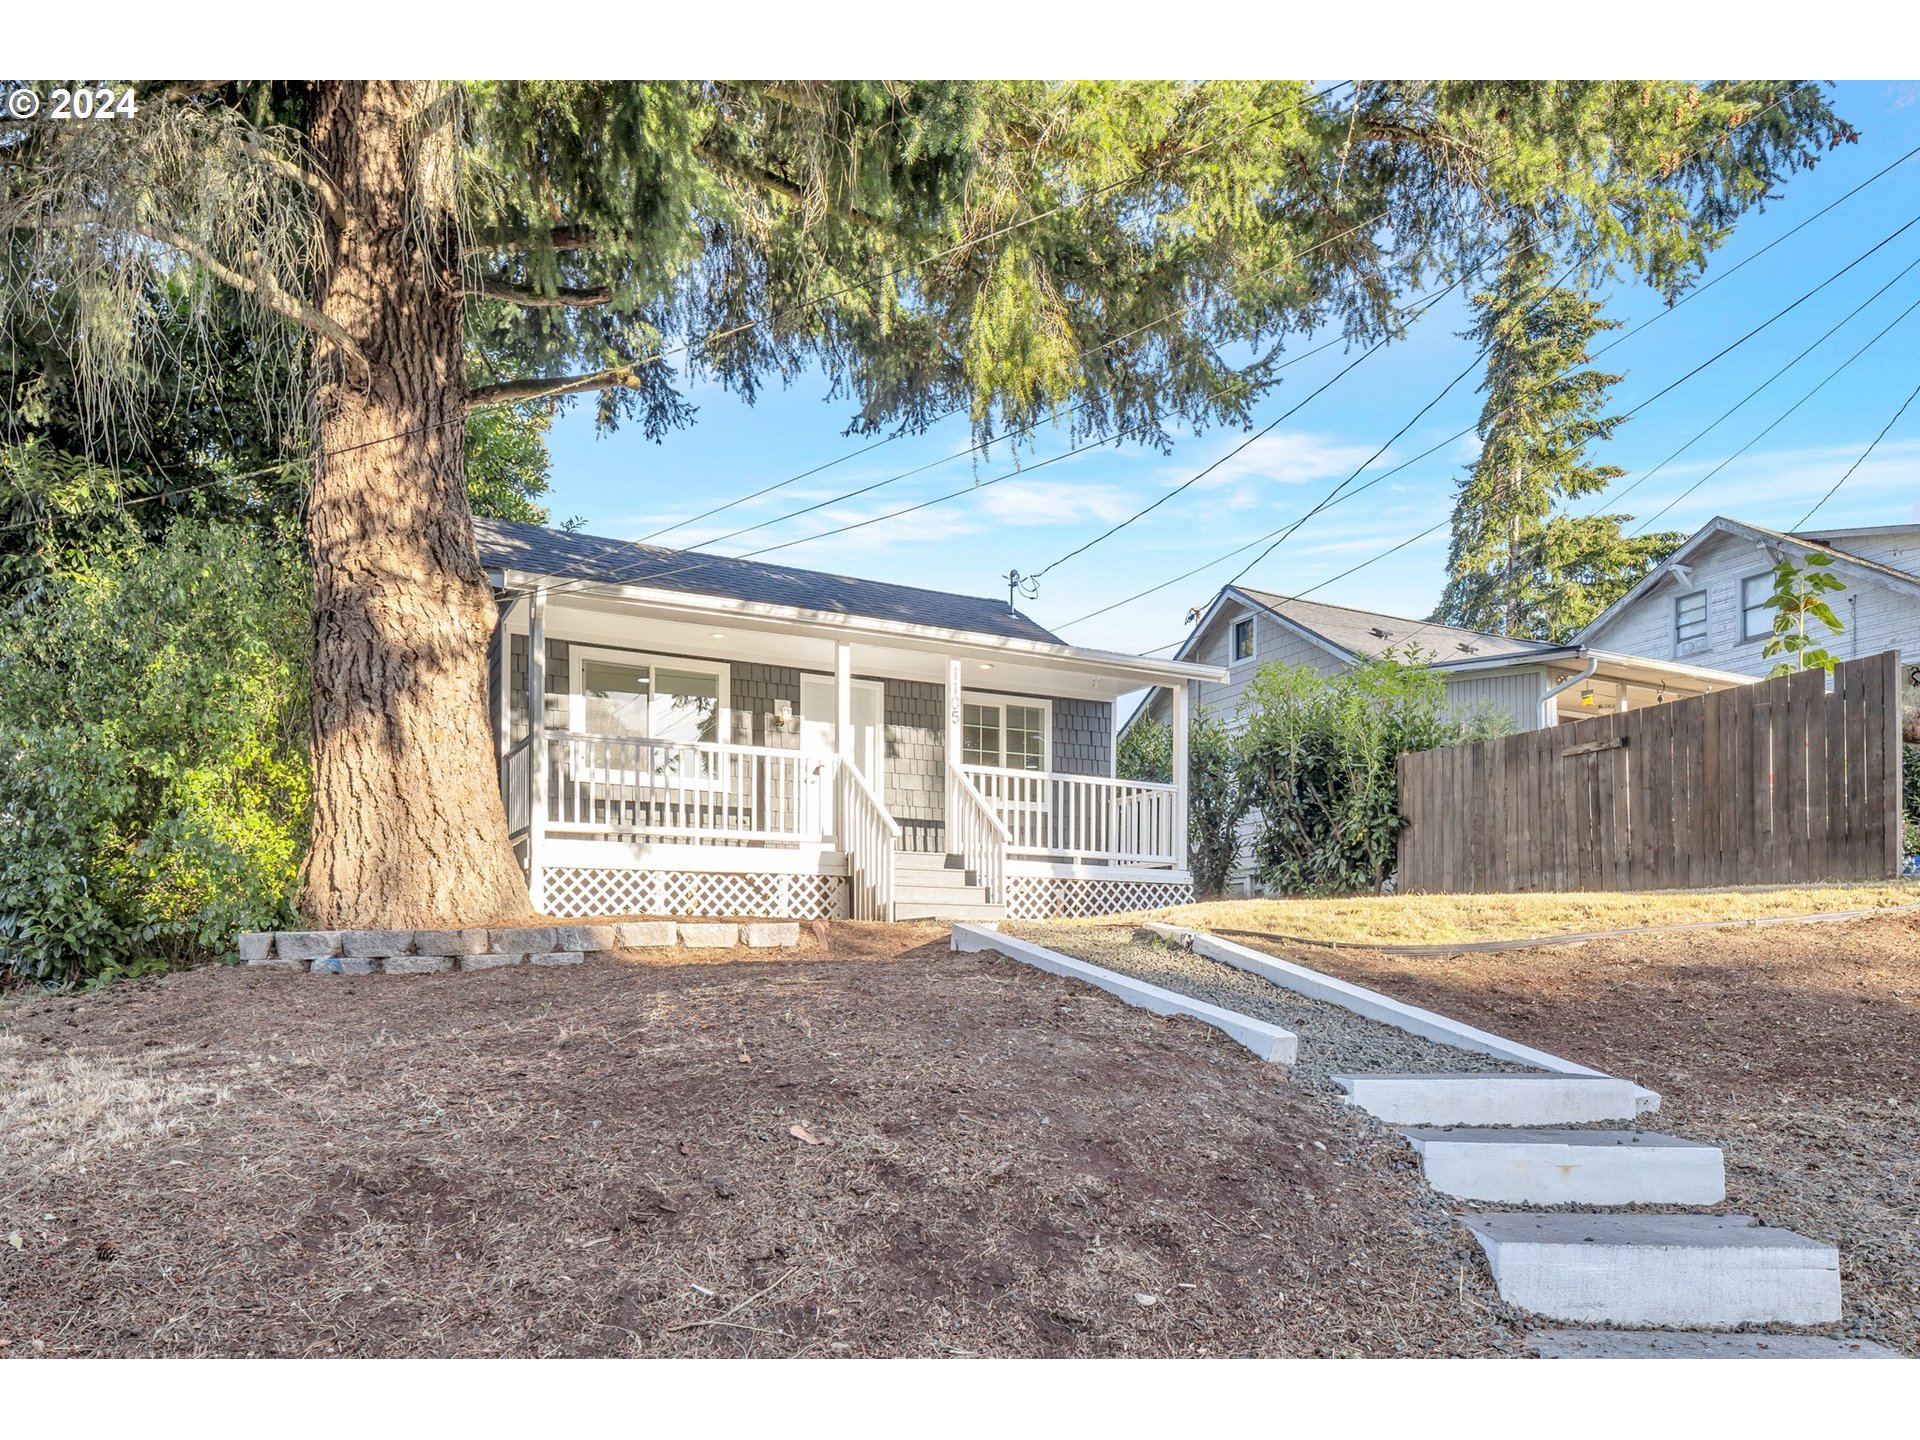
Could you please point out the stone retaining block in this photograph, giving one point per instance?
(377, 944)
(474, 960)
(305, 945)
(767, 934)
(709, 936)
(522, 942)
(344, 965)
(558, 957)
(256, 946)
(418, 964)
(583, 937)
(450, 942)
(646, 935)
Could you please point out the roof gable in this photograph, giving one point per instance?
(1721, 528)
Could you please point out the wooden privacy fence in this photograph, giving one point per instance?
(1779, 782)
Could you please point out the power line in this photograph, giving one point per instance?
(1863, 457)
(1779, 419)
(1285, 531)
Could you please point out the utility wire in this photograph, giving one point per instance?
(1284, 531)
(1863, 457)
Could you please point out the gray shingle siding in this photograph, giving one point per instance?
(916, 768)
(557, 689)
(754, 700)
(1083, 737)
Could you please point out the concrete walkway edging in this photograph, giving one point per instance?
(1427, 1024)
(1268, 1041)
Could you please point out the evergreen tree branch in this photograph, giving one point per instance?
(514, 392)
(565, 298)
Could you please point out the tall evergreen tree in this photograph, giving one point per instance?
(1515, 567)
(1019, 250)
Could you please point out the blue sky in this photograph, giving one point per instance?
(625, 485)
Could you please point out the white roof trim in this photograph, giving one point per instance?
(1338, 652)
(1721, 525)
(1138, 668)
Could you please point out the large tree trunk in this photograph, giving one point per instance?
(408, 826)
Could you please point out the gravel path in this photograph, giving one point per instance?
(1333, 1041)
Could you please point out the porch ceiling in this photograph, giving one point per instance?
(736, 630)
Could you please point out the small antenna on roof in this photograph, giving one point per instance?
(1026, 586)
(1378, 633)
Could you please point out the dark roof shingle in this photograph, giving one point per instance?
(1353, 631)
(534, 549)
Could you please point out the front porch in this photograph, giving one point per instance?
(696, 755)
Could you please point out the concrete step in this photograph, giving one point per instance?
(1698, 1345)
(1570, 1167)
(1504, 1098)
(1707, 1272)
(946, 910)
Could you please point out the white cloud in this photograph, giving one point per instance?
(1286, 457)
(1054, 502)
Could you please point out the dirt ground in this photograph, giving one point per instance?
(1796, 1048)
(871, 1148)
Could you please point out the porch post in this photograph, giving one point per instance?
(843, 701)
(954, 713)
(1182, 781)
(536, 745)
(503, 690)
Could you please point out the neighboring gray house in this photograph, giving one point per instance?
(1530, 682)
(1706, 605)
(722, 736)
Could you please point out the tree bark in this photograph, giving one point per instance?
(408, 826)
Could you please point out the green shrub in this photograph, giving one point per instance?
(1216, 803)
(1910, 797)
(1145, 751)
(1321, 756)
(153, 753)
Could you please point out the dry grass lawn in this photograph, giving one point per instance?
(1460, 919)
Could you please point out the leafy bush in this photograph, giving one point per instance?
(1216, 803)
(1910, 796)
(1321, 772)
(153, 753)
(1145, 751)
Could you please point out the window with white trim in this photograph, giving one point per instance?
(1690, 618)
(1005, 735)
(1756, 606)
(1242, 641)
(636, 695)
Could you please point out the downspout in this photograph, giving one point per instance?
(1546, 701)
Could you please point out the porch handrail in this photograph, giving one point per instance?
(868, 834)
(516, 782)
(688, 789)
(977, 834)
(1083, 817)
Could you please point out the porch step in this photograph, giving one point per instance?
(913, 893)
(947, 910)
(1704, 1272)
(919, 861)
(1501, 1098)
(1570, 1167)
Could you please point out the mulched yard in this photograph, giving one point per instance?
(872, 1148)
(1796, 1049)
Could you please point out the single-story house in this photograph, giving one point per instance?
(1706, 604)
(725, 737)
(1532, 683)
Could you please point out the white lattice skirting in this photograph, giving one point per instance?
(1045, 897)
(573, 890)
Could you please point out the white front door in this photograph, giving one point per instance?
(818, 733)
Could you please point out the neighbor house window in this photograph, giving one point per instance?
(1690, 618)
(616, 694)
(1004, 735)
(1242, 640)
(1756, 608)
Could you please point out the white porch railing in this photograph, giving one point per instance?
(516, 783)
(869, 835)
(629, 786)
(1082, 817)
(977, 834)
